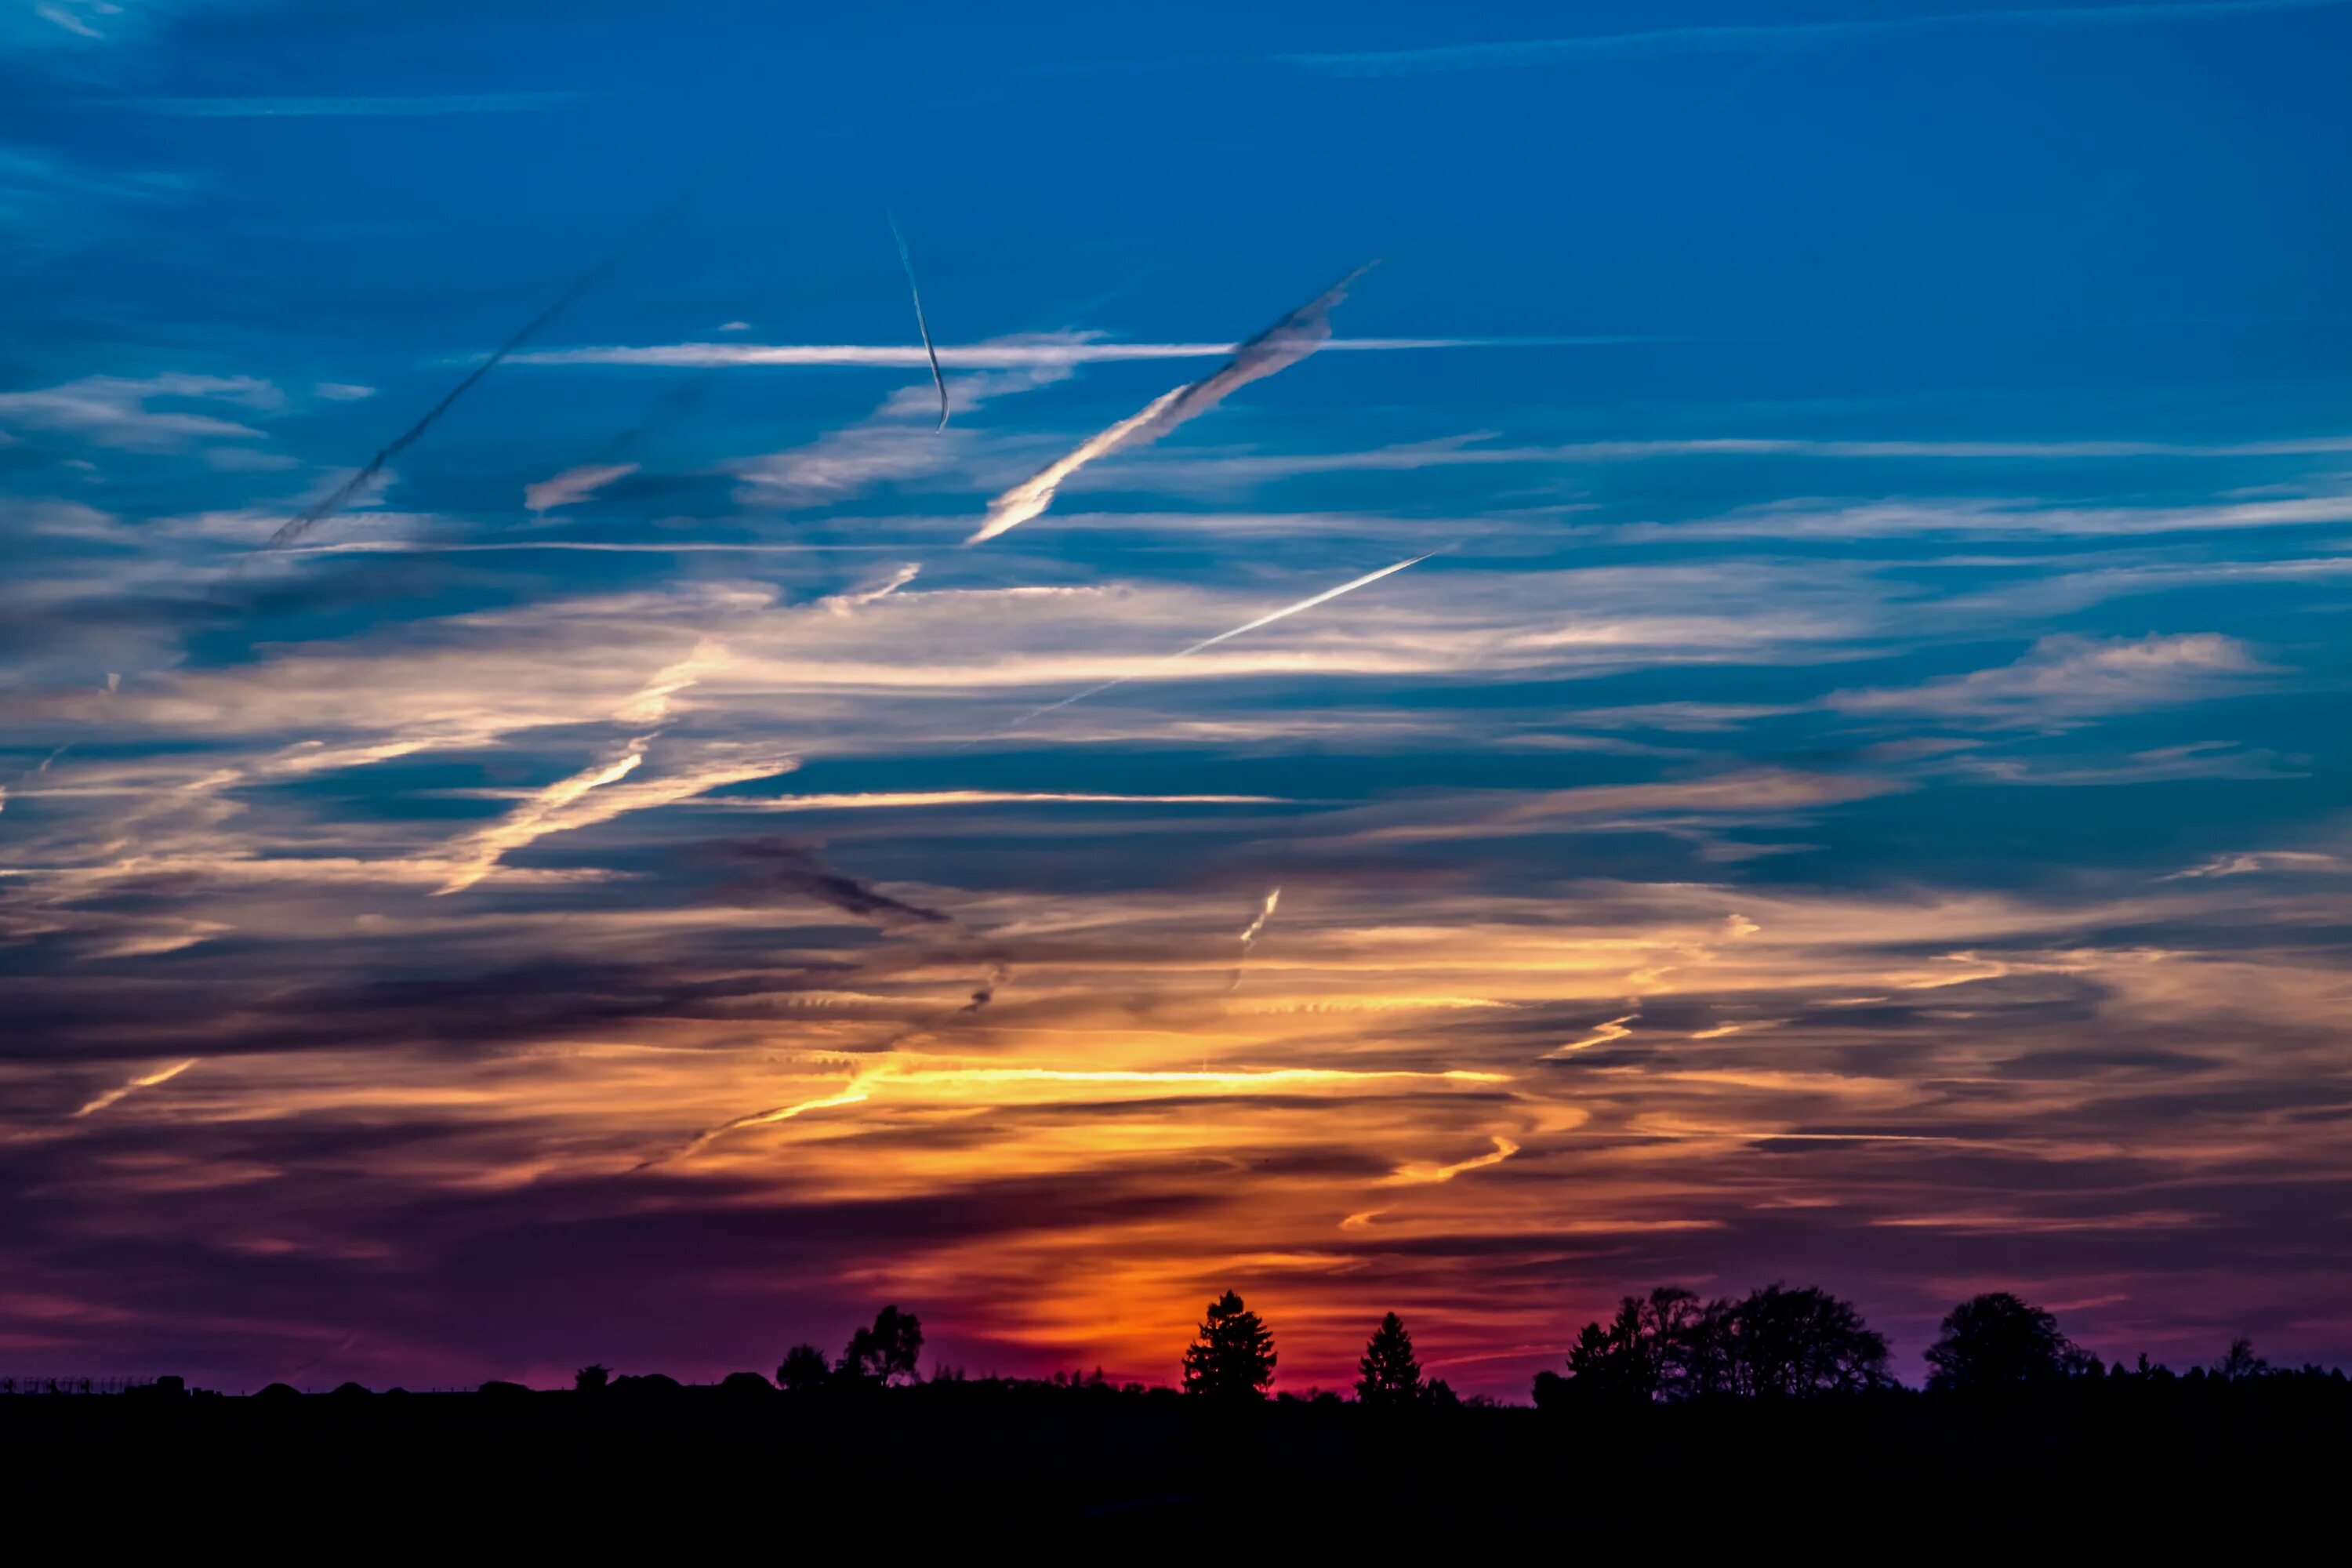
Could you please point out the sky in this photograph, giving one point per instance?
(1787, 579)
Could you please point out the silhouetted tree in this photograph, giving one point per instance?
(1774, 1341)
(1386, 1373)
(591, 1378)
(1652, 1350)
(885, 1351)
(1996, 1341)
(1786, 1342)
(2240, 1364)
(804, 1370)
(1232, 1358)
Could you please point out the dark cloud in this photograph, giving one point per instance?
(789, 869)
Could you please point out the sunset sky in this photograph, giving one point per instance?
(1845, 781)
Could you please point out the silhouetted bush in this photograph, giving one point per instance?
(646, 1384)
(746, 1384)
(591, 1378)
(804, 1370)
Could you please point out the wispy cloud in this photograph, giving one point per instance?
(772, 866)
(1667, 43)
(356, 108)
(2067, 676)
(2263, 862)
(1418, 1174)
(899, 800)
(596, 794)
(1283, 344)
(119, 412)
(574, 485)
(145, 1080)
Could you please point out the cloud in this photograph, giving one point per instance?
(596, 794)
(1669, 43)
(897, 442)
(116, 411)
(2262, 862)
(1283, 344)
(2065, 676)
(900, 800)
(777, 866)
(83, 23)
(1602, 1034)
(348, 108)
(1470, 450)
(145, 1080)
(1902, 519)
(1424, 1173)
(1744, 793)
(851, 601)
(574, 485)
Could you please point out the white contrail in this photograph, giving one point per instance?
(851, 1095)
(1249, 935)
(1264, 915)
(1767, 38)
(1284, 343)
(1324, 598)
(921, 325)
(146, 1080)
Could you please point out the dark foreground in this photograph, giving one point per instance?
(1154, 1469)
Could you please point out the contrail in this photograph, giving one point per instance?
(1283, 344)
(852, 1095)
(147, 1081)
(1249, 935)
(319, 511)
(1324, 598)
(921, 325)
(855, 1091)
(1665, 42)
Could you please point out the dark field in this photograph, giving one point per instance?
(1155, 1468)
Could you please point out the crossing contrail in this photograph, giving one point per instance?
(327, 506)
(921, 325)
(1324, 598)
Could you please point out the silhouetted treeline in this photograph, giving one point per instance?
(1775, 1344)
(1765, 1415)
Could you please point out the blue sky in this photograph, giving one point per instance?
(1853, 788)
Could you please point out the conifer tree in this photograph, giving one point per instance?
(1386, 1373)
(1232, 1358)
